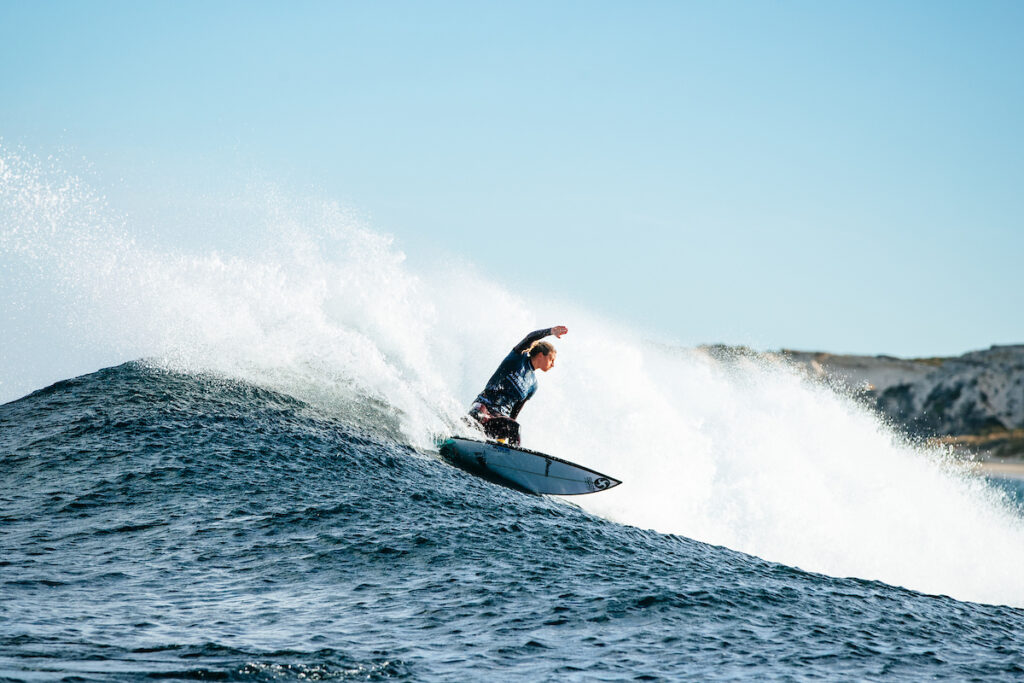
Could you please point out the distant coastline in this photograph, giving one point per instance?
(1004, 469)
(973, 402)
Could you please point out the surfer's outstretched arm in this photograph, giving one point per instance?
(528, 340)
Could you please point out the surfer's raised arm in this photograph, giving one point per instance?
(529, 339)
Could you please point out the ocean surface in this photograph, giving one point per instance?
(160, 524)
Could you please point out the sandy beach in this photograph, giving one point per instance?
(1011, 469)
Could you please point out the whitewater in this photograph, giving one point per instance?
(768, 524)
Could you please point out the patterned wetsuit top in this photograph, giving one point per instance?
(515, 381)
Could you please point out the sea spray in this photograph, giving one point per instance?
(743, 453)
(753, 456)
(313, 304)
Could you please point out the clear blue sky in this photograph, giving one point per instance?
(846, 176)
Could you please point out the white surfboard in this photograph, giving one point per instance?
(524, 470)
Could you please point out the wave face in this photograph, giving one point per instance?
(296, 377)
(172, 525)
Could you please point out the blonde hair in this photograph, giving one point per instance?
(547, 348)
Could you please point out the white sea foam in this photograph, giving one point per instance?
(740, 453)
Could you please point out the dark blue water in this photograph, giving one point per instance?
(170, 526)
(1014, 489)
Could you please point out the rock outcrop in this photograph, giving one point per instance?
(976, 399)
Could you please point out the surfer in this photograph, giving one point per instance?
(512, 385)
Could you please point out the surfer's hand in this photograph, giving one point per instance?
(559, 330)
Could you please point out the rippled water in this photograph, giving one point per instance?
(168, 525)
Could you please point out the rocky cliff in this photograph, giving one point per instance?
(976, 400)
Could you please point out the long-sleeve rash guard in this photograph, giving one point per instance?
(515, 381)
